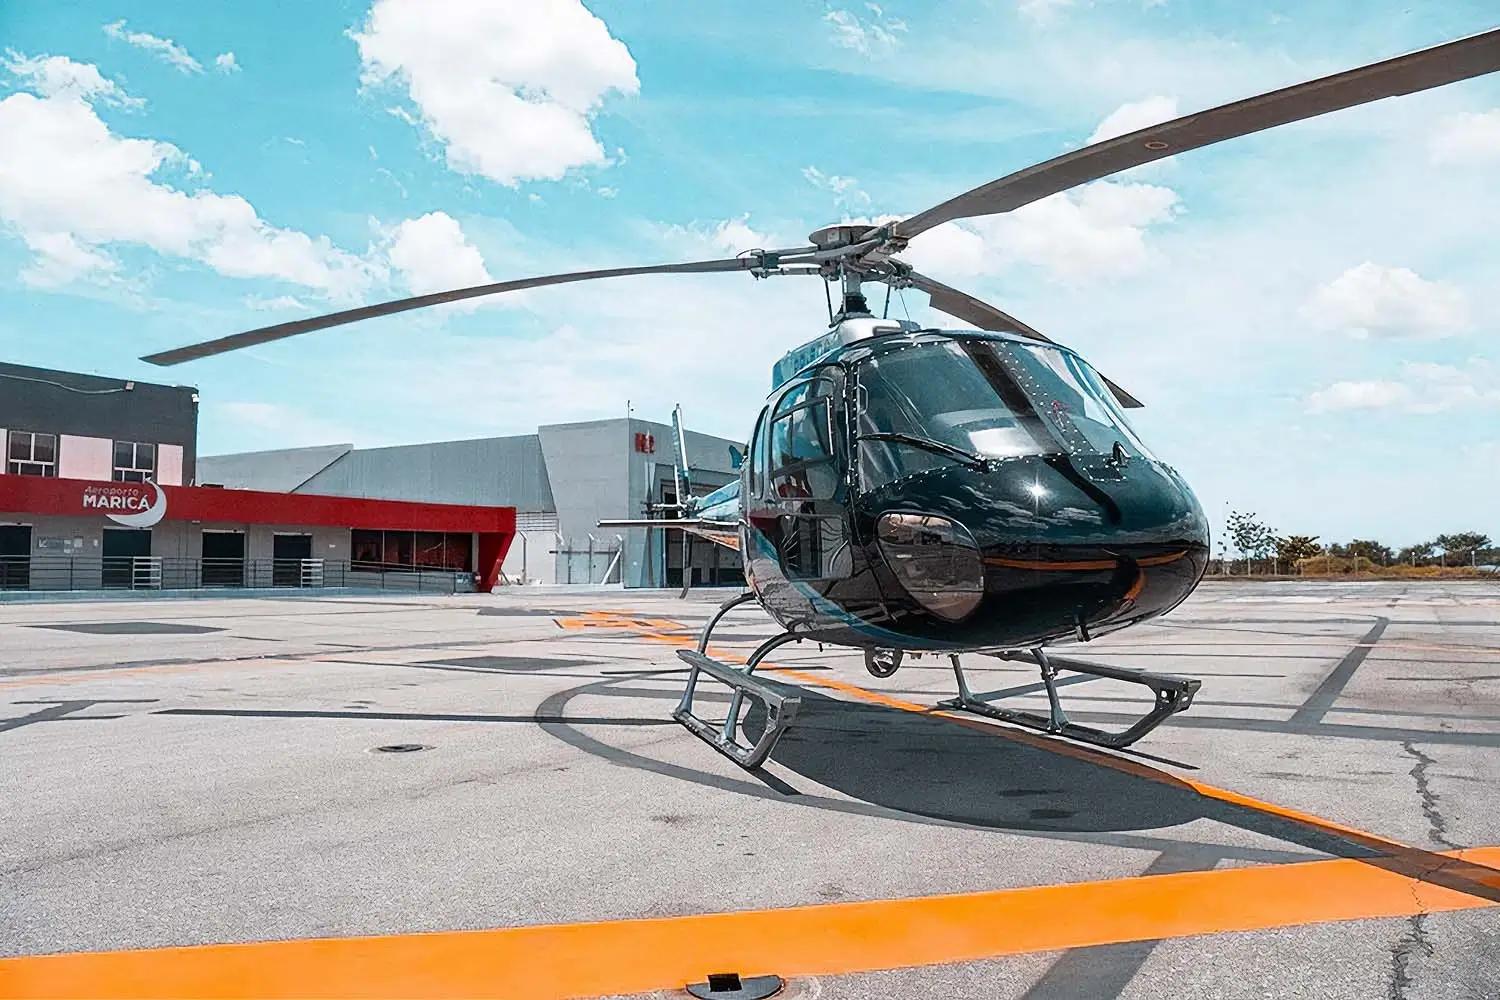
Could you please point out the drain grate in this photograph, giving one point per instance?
(401, 748)
(730, 986)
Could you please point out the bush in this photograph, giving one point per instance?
(1326, 565)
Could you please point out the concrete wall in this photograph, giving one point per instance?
(710, 466)
(53, 402)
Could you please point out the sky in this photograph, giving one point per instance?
(1308, 313)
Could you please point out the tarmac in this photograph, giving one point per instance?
(192, 802)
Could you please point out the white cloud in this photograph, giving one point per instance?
(508, 89)
(724, 238)
(1467, 137)
(225, 62)
(874, 34)
(432, 254)
(1358, 396)
(278, 303)
(1424, 388)
(60, 260)
(164, 49)
(1134, 115)
(59, 76)
(1097, 231)
(71, 189)
(1041, 11)
(847, 194)
(1374, 300)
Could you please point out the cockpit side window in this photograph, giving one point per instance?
(757, 462)
(800, 457)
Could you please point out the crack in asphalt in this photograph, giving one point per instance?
(1416, 939)
(1437, 825)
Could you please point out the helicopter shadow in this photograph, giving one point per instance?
(927, 766)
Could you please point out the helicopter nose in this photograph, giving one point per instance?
(1069, 546)
(1110, 542)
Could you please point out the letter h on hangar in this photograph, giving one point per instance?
(645, 443)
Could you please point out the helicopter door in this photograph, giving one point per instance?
(804, 481)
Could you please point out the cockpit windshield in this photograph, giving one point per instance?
(989, 398)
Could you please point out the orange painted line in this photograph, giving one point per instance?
(557, 961)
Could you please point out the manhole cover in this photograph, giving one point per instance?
(402, 748)
(729, 986)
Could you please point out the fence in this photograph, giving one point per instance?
(62, 573)
(595, 561)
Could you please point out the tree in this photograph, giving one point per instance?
(1365, 548)
(1460, 547)
(1417, 555)
(1250, 536)
(1294, 547)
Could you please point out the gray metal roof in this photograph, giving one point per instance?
(506, 470)
(279, 471)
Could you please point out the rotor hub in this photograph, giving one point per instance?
(846, 234)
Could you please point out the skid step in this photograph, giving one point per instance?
(780, 708)
(1172, 693)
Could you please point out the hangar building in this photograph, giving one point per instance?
(561, 481)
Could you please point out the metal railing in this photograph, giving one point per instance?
(146, 573)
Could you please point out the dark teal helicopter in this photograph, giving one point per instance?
(937, 491)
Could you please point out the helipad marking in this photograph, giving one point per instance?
(557, 961)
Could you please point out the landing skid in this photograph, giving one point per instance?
(1172, 694)
(780, 709)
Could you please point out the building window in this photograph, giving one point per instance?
(30, 454)
(371, 550)
(135, 462)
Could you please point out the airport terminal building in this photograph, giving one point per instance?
(562, 481)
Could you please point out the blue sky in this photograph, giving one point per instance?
(1307, 313)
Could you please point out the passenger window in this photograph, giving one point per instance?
(814, 548)
(800, 447)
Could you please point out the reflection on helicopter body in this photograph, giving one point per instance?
(960, 490)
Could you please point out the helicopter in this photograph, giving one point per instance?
(925, 491)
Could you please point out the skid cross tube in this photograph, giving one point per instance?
(781, 708)
(1172, 694)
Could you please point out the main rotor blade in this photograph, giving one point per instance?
(1435, 67)
(964, 306)
(281, 331)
